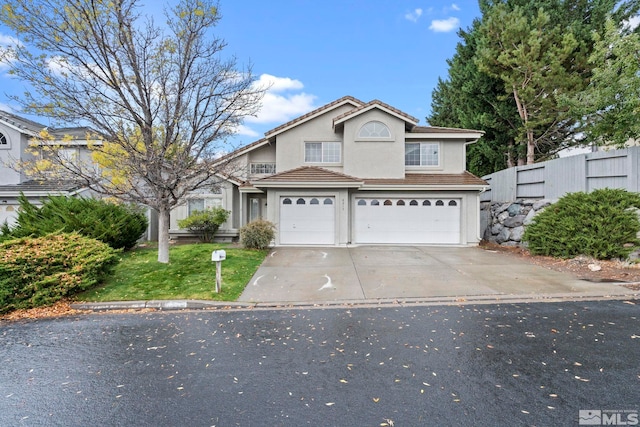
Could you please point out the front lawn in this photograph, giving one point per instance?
(189, 275)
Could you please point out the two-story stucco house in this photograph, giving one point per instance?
(352, 172)
(16, 137)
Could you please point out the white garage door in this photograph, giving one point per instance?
(307, 220)
(407, 221)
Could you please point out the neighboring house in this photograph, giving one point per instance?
(352, 173)
(16, 137)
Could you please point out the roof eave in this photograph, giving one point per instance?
(423, 187)
(469, 137)
(307, 184)
(40, 193)
(19, 129)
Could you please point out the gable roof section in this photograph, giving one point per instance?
(21, 124)
(31, 128)
(375, 104)
(309, 177)
(313, 114)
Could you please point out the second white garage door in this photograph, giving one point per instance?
(407, 221)
(307, 220)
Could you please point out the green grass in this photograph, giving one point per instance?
(190, 274)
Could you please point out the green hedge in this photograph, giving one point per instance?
(602, 224)
(119, 226)
(40, 271)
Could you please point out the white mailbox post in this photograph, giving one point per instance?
(218, 256)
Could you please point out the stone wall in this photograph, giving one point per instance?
(505, 222)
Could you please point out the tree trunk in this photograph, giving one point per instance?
(531, 146)
(163, 235)
(510, 161)
(524, 116)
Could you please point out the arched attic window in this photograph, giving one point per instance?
(374, 129)
(4, 141)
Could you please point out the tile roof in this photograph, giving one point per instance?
(315, 112)
(40, 186)
(74, 132)
(309, 174)
(465, 178)
(373, 103)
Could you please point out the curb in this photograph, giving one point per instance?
(172, 305)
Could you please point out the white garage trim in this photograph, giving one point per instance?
(407, 220)
(307, 220)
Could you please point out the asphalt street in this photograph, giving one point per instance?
(485, 365)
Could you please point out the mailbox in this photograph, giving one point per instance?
(219, 255)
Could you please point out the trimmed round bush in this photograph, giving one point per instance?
(257, 234)
(205, 223)
(40, 271)
(118, 225)
(602, 224)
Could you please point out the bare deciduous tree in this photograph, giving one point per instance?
(162, 96)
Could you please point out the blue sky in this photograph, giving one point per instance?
(313, 52)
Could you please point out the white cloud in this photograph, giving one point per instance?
(246, 131)
(283, 100)
(278, 84)
(6, 107)
(8, 40)
(632, 23)
(455, 7)
(6, 55)
(445, 25)
(414, 16)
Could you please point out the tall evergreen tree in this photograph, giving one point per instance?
(479, 97)
(609, 108)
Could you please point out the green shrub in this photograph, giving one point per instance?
(40, 271)
(119, 226)
(257, 234)
(602, 224)
(205, 223)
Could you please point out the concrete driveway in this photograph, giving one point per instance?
(308, 275)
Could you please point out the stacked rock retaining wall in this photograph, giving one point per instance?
(505, 222)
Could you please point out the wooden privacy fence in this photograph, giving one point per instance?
(554, 178)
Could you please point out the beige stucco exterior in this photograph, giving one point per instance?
(380, 160)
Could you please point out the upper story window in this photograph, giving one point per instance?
(263, 168)
(322, 152)
(4, 141)
(374, 129)
(422, 154)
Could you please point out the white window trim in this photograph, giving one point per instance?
(208, 201)
(359, 137)
(254, 165)
(6, 146)
(423, 167)
(322, 162)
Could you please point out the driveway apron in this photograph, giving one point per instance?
(319, 274)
